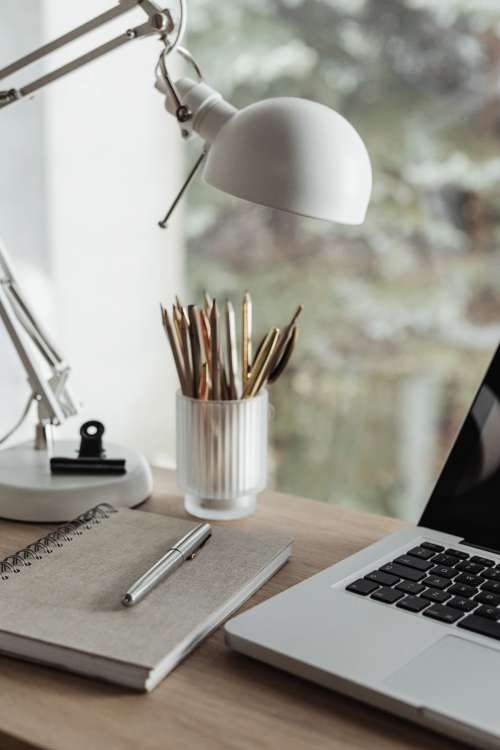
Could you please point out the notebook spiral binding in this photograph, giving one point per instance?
(24, 558)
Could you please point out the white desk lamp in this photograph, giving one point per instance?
(286, 153)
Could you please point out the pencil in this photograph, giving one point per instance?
(261, 363)
(203, 393)
(282, 342)
(232, 355)
(184, 327)
(205, 335)
(214, 351)
(207, 302)
(194, 338)
(174, 345)
(246, 339)
(285, 358)
(224, 383)
(258, 350)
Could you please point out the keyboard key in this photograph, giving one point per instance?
(491, 575)
(485, 561)
(442, 613)
(464, 605)
(410, 588)
(413, 603)
(384, 579)
(413, 562)
(493, 586)
(469, 579)
(402, 571)
(362, 586)
(461, 589)
(444, 560)
(458, 553)
(436, 582)
(421, 552)
(434, 595)
(480, 625)
(486, 597)
(491, 613)
(432, 546)
(443, 571)
(389, 596)
(469, 567)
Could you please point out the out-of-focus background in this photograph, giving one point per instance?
(401, 314)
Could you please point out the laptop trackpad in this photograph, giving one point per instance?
(455, 676)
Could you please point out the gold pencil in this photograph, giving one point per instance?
(282, 342)
(232, 355)
(261, 363)
(285, 357)
(246, 338)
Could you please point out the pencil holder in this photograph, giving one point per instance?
(221, 455)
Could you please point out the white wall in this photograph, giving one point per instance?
(113, 161)
(23, 207)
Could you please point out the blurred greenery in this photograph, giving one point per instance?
(402, 313)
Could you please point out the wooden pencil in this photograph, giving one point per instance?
(188, 370)
(203, 393)
(194, 340)
(205, 335)
(174, 345)
(215, 352)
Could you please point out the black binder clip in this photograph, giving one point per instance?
(91, 457)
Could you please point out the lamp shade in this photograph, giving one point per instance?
(286, 153)
(294, 155)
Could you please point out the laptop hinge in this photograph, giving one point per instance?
(478, 546)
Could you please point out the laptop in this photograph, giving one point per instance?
(410, 624)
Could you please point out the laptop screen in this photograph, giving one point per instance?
(466, 499)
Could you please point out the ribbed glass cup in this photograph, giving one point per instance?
(221, 454)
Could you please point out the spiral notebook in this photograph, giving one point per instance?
(60, 596)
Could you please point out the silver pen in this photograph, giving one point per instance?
(183, 550)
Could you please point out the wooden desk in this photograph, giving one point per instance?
(215, 699)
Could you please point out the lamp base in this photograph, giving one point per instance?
(29, 492)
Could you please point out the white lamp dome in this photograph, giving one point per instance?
(286, 153)
(295, 155)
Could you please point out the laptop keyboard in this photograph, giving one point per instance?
(447, 585)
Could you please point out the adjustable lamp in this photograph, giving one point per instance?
(286, 153)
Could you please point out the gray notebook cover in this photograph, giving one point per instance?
(69, 600)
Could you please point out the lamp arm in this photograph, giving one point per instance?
(159, 22)
(55, 401)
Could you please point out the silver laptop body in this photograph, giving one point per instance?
(372, 626)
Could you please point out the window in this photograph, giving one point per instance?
(403, 313)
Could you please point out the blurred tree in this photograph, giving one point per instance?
(402, 313)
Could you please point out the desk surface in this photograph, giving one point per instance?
(215, 699)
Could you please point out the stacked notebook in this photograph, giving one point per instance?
(61, 596)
